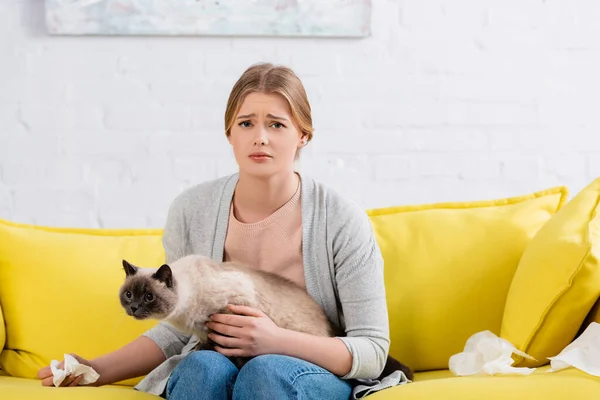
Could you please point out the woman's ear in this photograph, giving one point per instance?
(303, 140)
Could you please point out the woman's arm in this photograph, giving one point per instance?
(328, 353)
(358, 263)
(360, 283)
(134, 359)
(250, 332)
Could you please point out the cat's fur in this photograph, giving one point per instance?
(194, 287)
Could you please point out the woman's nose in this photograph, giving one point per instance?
(261, 138)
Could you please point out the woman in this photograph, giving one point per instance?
(273, 218)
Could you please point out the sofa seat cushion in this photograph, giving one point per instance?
(566, 384)
(32, 389)
(448, 267)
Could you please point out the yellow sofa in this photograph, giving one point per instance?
(451, 270)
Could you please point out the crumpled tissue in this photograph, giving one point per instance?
(72, 367)
(583, 353)
(486, 353)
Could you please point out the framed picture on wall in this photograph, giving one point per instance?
(305, 18)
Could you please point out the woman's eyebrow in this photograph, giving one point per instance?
(275, 117)
(254, 115)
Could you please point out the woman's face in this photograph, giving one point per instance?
(264, 136)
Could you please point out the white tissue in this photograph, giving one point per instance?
(583, 353)
(486, 353)
(72, 367)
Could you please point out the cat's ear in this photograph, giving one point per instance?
(164, 275)
(130, 270)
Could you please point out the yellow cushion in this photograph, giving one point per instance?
(448, 267)
(30, 389)
(541, 385)
(59, 292)
(557, 281)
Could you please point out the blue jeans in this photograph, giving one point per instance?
(210, 375)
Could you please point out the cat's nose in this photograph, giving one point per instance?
(134, 309)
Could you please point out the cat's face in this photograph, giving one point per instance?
(148, 293)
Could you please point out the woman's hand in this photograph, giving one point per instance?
(45, 374)
(246, 333)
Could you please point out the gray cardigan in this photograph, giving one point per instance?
(343, 269)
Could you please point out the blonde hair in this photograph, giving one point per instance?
(268, 78)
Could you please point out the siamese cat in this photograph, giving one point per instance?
(194, 287)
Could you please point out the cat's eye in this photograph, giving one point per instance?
(128, 294)
(149, 297)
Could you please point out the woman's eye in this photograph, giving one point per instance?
(128, 294)
(245, 124)
(278, 125)
(149, 297)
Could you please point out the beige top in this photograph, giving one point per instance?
(273, 244)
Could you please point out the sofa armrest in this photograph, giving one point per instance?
(2, 331)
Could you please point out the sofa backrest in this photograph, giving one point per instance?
(447, 270)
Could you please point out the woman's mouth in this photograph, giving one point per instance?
(260, 156)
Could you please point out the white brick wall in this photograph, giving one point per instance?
(448, 100)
